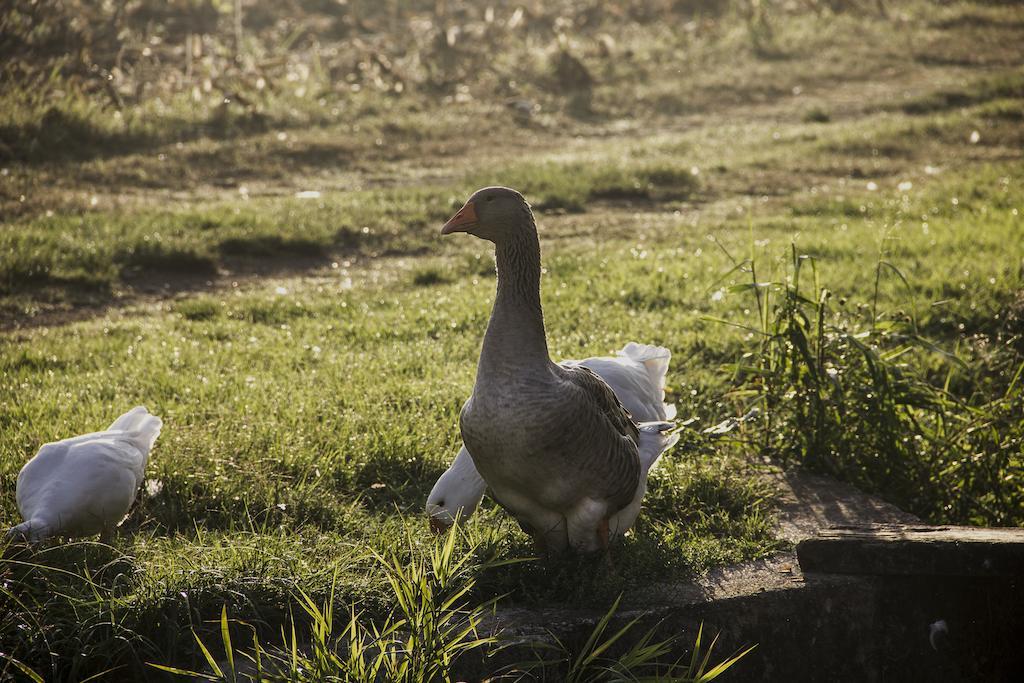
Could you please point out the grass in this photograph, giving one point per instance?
(430, 629)
(309, 353)
(571, 187)
(864, 397)
(317, 474)
(288, 407)
(103, 249)
(433, 626)
(1008, 86)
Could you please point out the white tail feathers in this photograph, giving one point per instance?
(656, 359)
(141, 421)
(654, 441)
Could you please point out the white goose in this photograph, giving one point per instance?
(637, 376)
(553, 442)
(85, 485)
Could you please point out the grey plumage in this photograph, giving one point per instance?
(554, 443)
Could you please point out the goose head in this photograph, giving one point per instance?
(27, 532)
(455, 496)
(495, 214)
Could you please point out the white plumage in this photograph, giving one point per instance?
(637, 376)
(85, 485)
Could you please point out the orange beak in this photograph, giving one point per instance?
(438, 526)
(465, 217)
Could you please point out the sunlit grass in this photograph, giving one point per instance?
(309, 356)
(307, 417)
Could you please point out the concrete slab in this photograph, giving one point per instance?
(814, 626)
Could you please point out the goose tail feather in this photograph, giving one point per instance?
(656, 359)
(141, 425)
(655, 439)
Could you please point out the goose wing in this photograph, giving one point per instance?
(606, 440)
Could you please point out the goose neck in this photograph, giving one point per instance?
(515, 334)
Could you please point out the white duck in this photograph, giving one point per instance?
(85, 485)
(553, 442)
(637, 376)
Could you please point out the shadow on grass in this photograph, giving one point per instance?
(270, 247)
(155, 258)
(60, 135)
(72, 132)
(396, 481)
(176, 501)
(427, 277)
(156, 269)
(319, 155)
(32, 279)
(1007, 86)
(970, 19)
(77, 586)
(178, 504)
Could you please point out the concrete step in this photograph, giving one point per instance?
(915, 550)
(870, 594)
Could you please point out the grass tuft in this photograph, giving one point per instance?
(148, 257)
(571, 187)
(426, 277)
(861, 395)
(1005, 86)
(435, 623)
(199, 308)
(816, 115)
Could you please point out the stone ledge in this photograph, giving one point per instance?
(904, 550)
(812, 625)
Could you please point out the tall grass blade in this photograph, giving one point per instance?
(24, 668)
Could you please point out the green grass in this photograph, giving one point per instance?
(102, 248)
(859, 393)
(1003, 87)
(309, 357)
(307, 423)
(571, 187)
(98, 251)
(306, 419)
(433, 626)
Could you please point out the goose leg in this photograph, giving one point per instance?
(603, 540)
(552, 539)
(539, 544)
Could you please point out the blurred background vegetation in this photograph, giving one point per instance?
(83, 75)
